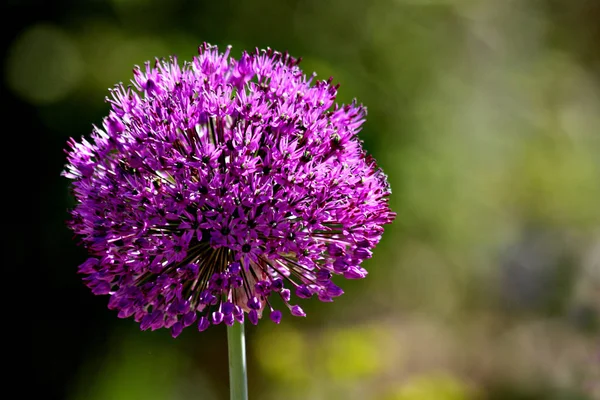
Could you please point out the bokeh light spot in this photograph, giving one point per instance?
(432, 387)
(281, 354)
(43, 65)
(353, 354)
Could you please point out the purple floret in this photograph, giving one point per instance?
(217, 186)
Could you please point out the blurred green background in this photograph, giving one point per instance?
(484, 114)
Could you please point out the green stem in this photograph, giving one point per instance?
(238, 385)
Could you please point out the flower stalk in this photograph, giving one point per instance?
(238, 381)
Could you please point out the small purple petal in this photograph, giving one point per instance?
(183, 307)
(335, 249)
(126, 312)
(323, 276)
(237, 311)
(362, 253)
(169, 321)
(285, 294)
(297, 311)
(234, 268)
(203, 324)
(253, 317)
(176, 329)
(303, 292)
(151, 87)
(276, 316)
(114, 126)
(323, 296)
(355, 273)
(239, 318)
(339, 265)
(334, 290)
(229, 319)
(254, 303)
(101, 288)
(227, 308)
(277, 284)
(189, 318)
(216, 318)
(88, 267)
(263, 288)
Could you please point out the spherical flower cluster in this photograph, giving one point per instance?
(219, 188)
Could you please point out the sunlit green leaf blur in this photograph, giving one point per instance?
(485, 115)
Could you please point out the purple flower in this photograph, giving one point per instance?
(213, 186)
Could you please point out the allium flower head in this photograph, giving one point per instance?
(215, 187)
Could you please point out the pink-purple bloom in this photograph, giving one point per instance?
(215, 187)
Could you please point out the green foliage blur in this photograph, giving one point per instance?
(485, 114)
